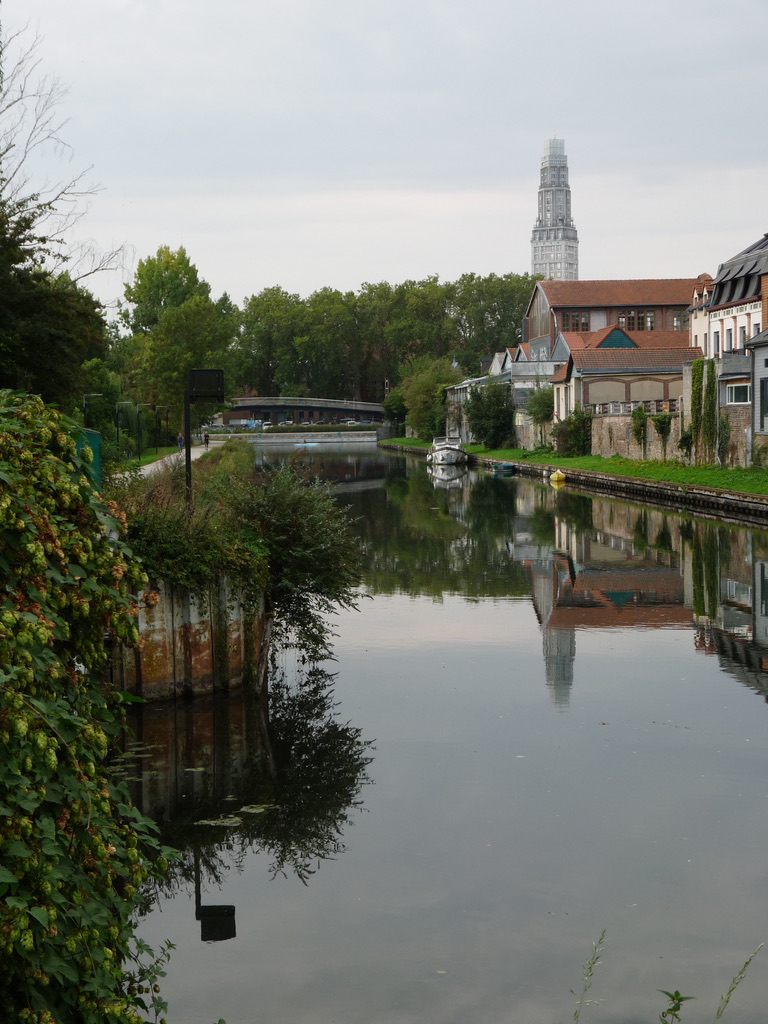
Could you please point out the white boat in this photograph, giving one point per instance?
(446, 451)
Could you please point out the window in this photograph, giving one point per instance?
(739, 394)
(757, 329)
(584, 321)
(728, 339)
(742, 336)
(630, 319)
(566, 321)
(716, 342)
(677, 320)
(641, 319)
(650, 319)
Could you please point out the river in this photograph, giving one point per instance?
(546, 718)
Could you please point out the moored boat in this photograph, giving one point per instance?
(446, 451)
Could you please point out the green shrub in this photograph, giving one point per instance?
(573, 435)
(74, 853)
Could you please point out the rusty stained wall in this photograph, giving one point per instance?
(192, 645)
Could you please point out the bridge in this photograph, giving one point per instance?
(248, 411)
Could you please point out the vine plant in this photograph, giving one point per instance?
(74, 853)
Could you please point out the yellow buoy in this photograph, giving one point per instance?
(557, 477)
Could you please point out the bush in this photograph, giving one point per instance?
(73, 851)
(573, 435)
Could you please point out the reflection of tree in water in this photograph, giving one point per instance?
(422, 540)
(320, 769)
(295, 813)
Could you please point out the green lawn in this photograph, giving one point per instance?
(750, 481)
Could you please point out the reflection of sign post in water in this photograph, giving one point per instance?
(203, 384)
(216, 922)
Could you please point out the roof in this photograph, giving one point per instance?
(560, 374)
(634, 360)
(661, 292)
(758, 340)
(640, 339)
(738, 279)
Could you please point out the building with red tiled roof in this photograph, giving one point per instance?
(583, 307)
(605, 376)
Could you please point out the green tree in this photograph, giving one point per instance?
(48, 324)
(662, 423)
(491, 414)
(193, 335)
(313, 559)
(487, 314)
(423, 388)
(573, 435)
(541, 407)
(163, 281)
(263, 351)
(328, 352)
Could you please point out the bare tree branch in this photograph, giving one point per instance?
(32, 128)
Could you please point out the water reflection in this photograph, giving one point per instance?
(585, 562)
(560, 747)
(229, 775)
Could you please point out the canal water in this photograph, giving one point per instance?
(546, 718)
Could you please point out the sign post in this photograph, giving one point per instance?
(203, 385)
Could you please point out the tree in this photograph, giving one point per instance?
(30, 125)
(192, 335)
(573, 435)
(541, 407)
(163, 281)
(491, 414)
(487, 314)
(48, 324)
(423, 388)
(263, 351)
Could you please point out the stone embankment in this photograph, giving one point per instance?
(707, 502)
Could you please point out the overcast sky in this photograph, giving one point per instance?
(307, 143)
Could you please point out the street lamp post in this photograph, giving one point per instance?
(117, 422)
(91, 394)
(139, 407)
(158, 409)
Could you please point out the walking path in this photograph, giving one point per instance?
(168, 461)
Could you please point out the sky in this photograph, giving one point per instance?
(329, 143)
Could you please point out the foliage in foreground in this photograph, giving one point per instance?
(672, 1014)
(73, 851)
(282, 538)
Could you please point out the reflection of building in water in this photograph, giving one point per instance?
(738, 633)
(598, 578)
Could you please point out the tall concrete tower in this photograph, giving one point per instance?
(555, 241)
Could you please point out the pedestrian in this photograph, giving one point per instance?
(206, 439)
(180, 441)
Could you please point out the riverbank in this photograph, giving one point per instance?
(667, 484)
